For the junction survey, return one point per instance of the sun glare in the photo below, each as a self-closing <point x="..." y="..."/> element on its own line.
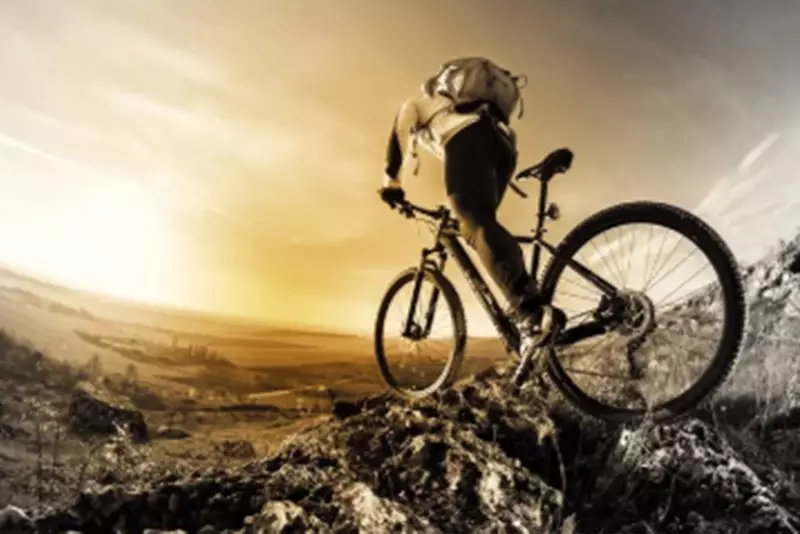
<point x="113" y="238"/>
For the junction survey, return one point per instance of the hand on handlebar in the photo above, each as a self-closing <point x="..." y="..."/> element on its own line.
<point x="393" y="196"/>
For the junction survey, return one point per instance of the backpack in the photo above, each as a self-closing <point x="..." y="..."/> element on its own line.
<point x="471" y="80"/>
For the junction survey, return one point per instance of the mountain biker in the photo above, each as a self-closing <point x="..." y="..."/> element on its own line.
<point x="462" y="117"/>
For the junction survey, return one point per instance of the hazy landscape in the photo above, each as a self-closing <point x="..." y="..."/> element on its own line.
<point x="182" y="350"/>
<point x="258" y="429"/>
<point x="200" y="380"/>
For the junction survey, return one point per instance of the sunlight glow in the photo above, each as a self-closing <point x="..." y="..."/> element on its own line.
<point x="112" y="237"/>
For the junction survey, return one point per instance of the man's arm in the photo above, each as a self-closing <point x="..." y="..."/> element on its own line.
<point x="406" y="120"/>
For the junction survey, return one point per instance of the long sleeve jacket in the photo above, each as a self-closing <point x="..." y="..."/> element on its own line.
<point x="427" y="121"/>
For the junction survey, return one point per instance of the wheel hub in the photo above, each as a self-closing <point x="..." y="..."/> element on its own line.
<point x="631" y="314"/>
<point x="413" y="332"/>
<point x="637" y="317"/>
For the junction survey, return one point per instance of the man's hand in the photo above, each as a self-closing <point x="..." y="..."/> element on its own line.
<point x="392" y="196"/>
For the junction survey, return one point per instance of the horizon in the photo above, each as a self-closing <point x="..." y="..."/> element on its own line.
<point x="172" y="309"/>
<point x="225" y="161"/>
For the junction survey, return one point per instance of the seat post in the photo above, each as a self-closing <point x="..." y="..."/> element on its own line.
<point x="540" y="217"/>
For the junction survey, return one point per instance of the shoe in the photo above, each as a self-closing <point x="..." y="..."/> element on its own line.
<point x="535" y="327"/>
<point x="535" y="330"/>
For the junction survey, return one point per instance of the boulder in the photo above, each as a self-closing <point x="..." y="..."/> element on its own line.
<point x="94" y="410"/>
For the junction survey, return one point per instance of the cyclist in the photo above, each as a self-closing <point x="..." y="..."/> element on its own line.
<point x="462" y="117"/>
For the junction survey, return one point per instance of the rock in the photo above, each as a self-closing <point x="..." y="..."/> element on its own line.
<point x="171" y="432"/>
<point x="14" y="520"/>
<point x="370" y="513"/>
<point x="472" y="459"/>
<point x="285" y="517"/>
<point x="687" y="478"/>
<point x="237" y="448"/>
<point x="94" y="410"/>
<point x="345" y="409"/>
<point x="794" y="265"/>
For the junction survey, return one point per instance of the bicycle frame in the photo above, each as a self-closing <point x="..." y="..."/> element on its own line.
<point x="447" y="243"/>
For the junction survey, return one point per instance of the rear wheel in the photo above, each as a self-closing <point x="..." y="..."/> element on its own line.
<point x="417" y="361"/>
<point x="681" y="306"/>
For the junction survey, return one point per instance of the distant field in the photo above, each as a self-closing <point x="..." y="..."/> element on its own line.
<point x="197" y="351"/>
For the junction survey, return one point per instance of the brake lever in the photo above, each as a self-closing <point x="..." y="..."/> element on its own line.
<point x="517" y="190"/>
<point x="406" y="211"/>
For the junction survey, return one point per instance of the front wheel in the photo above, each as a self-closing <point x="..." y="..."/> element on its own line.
<point x="418" y="357"/>
<point x="680" y="305"/>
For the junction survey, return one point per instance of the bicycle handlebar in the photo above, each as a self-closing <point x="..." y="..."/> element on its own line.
<point x="409" y="208"/>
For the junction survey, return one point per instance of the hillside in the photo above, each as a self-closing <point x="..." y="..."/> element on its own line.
<point x="470" y="460"/>
<point x="475" y="459"/>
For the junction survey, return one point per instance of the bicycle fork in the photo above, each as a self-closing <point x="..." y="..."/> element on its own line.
<point x="412" y="329"/>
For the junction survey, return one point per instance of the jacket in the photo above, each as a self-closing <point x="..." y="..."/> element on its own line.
<point x="430" y="122"/>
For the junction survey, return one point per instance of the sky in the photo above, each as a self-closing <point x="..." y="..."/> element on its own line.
<point x="225" y="156"/>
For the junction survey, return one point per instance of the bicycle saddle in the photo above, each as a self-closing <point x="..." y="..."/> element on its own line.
<point x="557" y="161"/>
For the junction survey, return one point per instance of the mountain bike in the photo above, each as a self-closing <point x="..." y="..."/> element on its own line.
<point x="629" y="319"/>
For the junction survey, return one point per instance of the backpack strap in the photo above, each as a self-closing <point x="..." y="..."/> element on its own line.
<point x="520" y="87"/>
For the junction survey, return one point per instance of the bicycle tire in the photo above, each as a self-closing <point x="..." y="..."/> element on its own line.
<point x="729" y="278"/>
<point x="455" y="359"/>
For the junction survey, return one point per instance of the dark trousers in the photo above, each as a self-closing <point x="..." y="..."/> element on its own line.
<point x="478" y="167"/>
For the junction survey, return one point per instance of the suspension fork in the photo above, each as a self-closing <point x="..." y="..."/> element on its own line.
<point x="412" y="329"/>
<point x="435" y="293"/>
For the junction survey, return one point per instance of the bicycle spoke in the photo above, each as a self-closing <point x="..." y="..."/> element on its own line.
<point x="666" y="260"/>
<point x="655" y="262"/>
<point x="692" y="277"/>
<point x="671" y="270"/>
<point x="579" y="297"/>
<point x="593" y="290"/>
<point x="586" y="262"/>
<point x="620" y="247"/>
<point x="614" y="259"/>
<point x="603" y="259"/>
<point x="630" y="256"/>
<point x="647" y="256"/>
<point x="674" y="303"/>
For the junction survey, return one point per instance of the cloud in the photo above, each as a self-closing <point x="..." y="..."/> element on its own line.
<point x="753" y="207"/>
<point x="757" y="152"/>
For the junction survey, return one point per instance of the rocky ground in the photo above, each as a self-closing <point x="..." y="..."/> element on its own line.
<point x="469" y="460"/>
<point x="472" y="459"/>
<point x="64" y="432"/>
